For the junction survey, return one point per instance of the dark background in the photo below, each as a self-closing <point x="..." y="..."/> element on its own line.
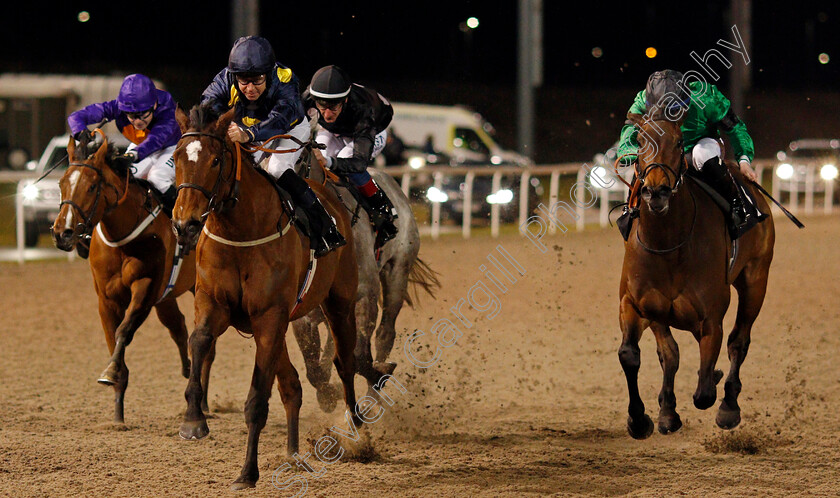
<point x="415" y="51"/>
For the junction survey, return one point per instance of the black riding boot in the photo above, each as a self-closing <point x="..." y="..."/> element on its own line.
<point x="716" y="174"/>
<point x="167" y="200"/>
<point x="325" y="235"/>
<point x="382" y="215"/>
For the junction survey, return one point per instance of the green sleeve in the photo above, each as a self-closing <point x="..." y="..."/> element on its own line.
<point x="627" y="143"/>
<point x="717" y="105"/>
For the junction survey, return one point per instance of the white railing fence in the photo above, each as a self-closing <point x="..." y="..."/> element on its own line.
<point x="809" y="180"/>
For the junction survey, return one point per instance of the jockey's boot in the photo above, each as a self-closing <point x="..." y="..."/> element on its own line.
<point x="325" y="235"/>
<point x="717" y="175"/>
<point x="382" y="215"/>
<point x="167" y="200"/>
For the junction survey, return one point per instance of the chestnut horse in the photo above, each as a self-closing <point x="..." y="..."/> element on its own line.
<point x="677" y="274"/>
<point x="251" y="268"/>
<point x="131" y="255"/>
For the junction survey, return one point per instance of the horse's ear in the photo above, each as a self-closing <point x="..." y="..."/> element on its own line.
<point x="182" y="118"/>
<point x="99" y="157"/>
<point x="636" y="119"/>
<point x="224" y="121"/>
<point x="71" y="149"/>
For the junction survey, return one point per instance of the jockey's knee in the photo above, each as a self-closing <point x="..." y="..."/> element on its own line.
<point x="359" y="179"/>
<point x="277" y="166"/>
<point x="706" y="149"/>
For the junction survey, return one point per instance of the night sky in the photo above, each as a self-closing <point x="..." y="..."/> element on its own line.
<point x="418" y="47"/>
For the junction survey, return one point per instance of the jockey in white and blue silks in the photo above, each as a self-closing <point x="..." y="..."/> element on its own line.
<point x="266" y="99"/>
<point x="146" y="117"/>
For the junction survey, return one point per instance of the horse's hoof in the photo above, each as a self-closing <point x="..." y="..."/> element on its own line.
<point x="327" y="397"/>
<point x="726" y="418"/>
<point x="641" y="430"/>
<point x="185" y="369"/>
<point x="109" y="376"/>
<point x="196" y="429"/>
<point x="704" y="401"/>
<point x="240" y="484"/>
<point x="718" y="375"/>
<point x="384" y="367"/>
<point x="669" y="424"/>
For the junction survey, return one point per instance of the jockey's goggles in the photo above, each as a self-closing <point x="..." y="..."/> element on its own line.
<point x="133" y="116"/>
<point x="244" y="81"/>
<point x="329" y="105"/>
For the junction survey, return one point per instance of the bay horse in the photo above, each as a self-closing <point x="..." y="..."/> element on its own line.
<point x="251" y="270"/>
<point x="677" y="274"/>
<point x="131" y="255"/>
<point x="387" y="276"/>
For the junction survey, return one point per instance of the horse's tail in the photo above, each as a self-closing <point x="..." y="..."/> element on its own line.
<point x="422" y="276"/>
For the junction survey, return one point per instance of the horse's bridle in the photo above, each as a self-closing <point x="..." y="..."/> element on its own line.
<point x="214" y="203"/>
<point x="87" y="226"/>
<point x="678" y="175"/>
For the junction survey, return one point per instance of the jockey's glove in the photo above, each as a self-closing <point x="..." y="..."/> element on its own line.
<point x="130" y="156"/>
<point x="84" y="133"/>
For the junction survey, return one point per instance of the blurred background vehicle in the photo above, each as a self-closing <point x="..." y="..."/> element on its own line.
<point x="807" y="161"/>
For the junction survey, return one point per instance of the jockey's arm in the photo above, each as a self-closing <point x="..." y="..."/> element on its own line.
<point x="729" y="123"/>
<point x="628" y="145"/>
<point x="93" y="113"/>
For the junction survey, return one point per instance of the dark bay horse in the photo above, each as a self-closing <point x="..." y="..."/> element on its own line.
<point x="251" y="268"/>
<point x="676" y="274"/>
<point x="131" y="255"/>
<point x="388" y="276"/>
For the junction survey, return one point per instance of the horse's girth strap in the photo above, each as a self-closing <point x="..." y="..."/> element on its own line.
<point x="247" y="243"/>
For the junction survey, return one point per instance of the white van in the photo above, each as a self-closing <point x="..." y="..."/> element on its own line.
<point x="457" y="131"/>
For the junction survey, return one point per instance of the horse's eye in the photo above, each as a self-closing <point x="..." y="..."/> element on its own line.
<point x="215" y="161"/>
<point x="92" y="187"/>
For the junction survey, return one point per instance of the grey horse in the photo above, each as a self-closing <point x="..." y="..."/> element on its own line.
<point x="397" y="266"/>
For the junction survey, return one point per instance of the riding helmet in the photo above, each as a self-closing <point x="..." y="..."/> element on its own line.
<point x="251" y="55"/>
<point x="662" y="83"/>
<point x="137" y="94"/>
<point x="330" y="83"/>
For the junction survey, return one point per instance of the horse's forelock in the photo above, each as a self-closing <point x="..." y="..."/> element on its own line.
<point x="202" y="116"/>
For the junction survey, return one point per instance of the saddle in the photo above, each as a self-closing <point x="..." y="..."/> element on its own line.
<point x="297" y="215"/>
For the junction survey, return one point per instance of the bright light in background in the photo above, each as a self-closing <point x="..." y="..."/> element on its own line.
<point x="435" y="194"/>
<point x="784" y="171"/>
<point x="824" y="58"/>
<point x="597" y="52"/>
<point x="503" y="196"/>
<point x="416" y="162"/>
<point x="30" y="192"/>
<point x="472" y="22"/>
<point x="84" y="16"/>
<point x="650" y="52"/>
<point x="828" y="172"/>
